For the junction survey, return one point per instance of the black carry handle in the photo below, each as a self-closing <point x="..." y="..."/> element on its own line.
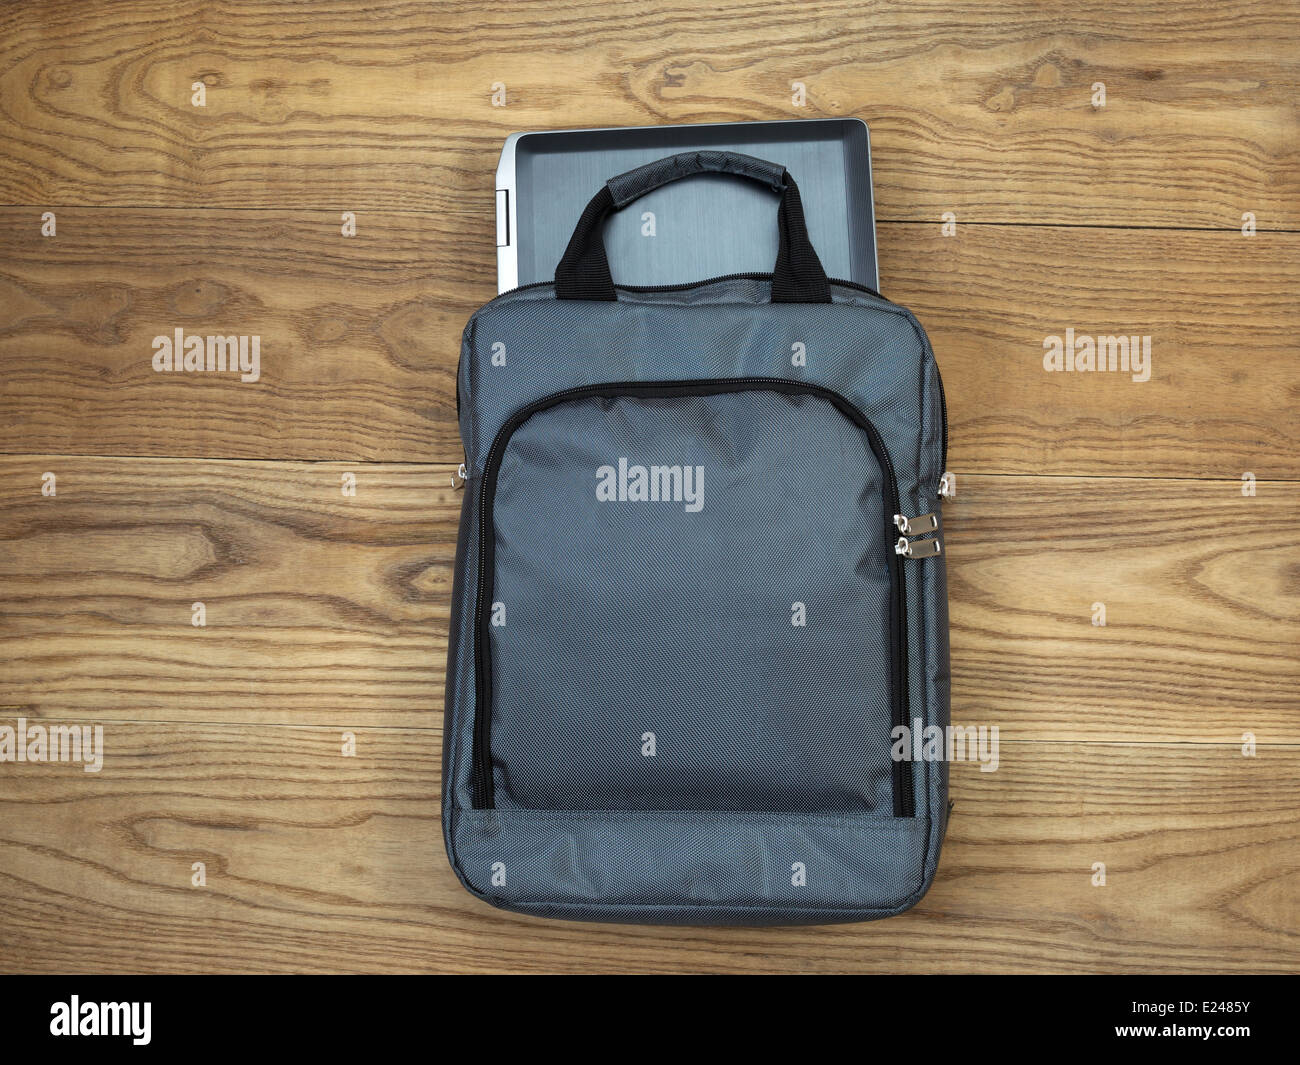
<point x="798" y="277"/>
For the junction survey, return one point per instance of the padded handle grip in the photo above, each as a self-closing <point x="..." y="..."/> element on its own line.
<point x="627" y="187"/>
<point x="798" y="277"/>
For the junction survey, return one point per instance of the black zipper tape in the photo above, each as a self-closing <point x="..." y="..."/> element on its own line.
<point x="750" y="276"/>
<point x="482" y="783"/>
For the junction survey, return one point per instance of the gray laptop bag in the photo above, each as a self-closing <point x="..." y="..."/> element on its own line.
<point x="699" y="620"/>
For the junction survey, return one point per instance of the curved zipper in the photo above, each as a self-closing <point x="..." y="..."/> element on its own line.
<point x="482" y="784"/>
<point x="747" y="276"/>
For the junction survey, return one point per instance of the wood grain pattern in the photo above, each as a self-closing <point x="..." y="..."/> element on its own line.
<point x="319" y="862"/>
<point x="319" y="607"/>
<point x="1224" y="391"/>
<point x="1202" y="610"/>
<point x="983" y="109"/>
<point x="361" y="336"/>
<point x="1120" y="744"/>
<point x="323" y="609"/>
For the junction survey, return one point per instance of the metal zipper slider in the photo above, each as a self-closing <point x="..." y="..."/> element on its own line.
<point x="459" y="478"/>
<point x="917" y="548"/>
<point x="947" y="485"/>
<point x="918" y="526"/>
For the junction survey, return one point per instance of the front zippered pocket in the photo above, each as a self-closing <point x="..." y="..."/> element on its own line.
<point x="781" y="719"/>
<point x="747" y="276"/>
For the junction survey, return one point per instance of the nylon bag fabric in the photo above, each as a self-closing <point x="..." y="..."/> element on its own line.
<point x="682" y="637"/>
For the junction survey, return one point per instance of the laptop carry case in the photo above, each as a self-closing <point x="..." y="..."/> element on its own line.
<point x="699" y="615"/>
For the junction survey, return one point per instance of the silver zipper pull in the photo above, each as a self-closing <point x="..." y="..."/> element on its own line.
<point x="947" y="485"/>
<point x="918" y="526"/>
<point x="459" y="478"/>
<point x="917" y="548"/>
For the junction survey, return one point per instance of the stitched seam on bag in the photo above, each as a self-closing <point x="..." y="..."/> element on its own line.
<point x="902" y="825"/>
<point x="726" y="907"/>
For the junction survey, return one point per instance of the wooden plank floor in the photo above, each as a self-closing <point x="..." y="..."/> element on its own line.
<point x="1173" y="501"/>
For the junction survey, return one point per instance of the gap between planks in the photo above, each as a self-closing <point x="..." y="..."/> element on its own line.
<point x="452" y="464"/>
<point x="418" y="212"/>
<point x="437" y="729"/>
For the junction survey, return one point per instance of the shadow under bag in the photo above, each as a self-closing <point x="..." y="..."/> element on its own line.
<point x="699" y="621"/>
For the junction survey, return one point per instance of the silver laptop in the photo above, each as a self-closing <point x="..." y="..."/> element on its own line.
<point x="692" y="230"/>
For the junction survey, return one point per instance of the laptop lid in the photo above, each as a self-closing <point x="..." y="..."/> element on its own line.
<point x="545" y="179"/>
